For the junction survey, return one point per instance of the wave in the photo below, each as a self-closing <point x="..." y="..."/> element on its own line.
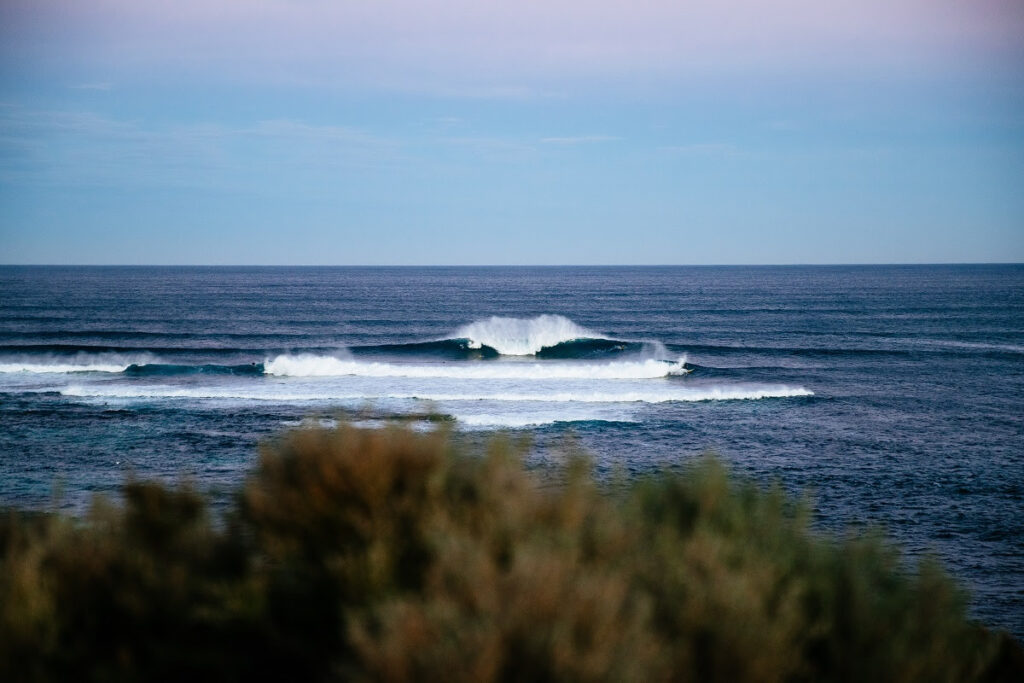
<point x="905" y="349"/>
<point x="523" y="336"/>
<point x="168" y="369"/>
<point x="329" y="366"/>
<point x="468" y="349"/>
<point x="666" y="395"/>
<point x="969" y="345"/>
<point x="447" y="349"/>
<point x="69" y="349"/>
<point x="46" y="368"/>
<point x="591" y="348"/>
<point x="311" y="365"/>
<point x="79" y="363"/>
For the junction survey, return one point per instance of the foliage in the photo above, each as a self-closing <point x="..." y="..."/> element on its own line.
<point x="389" y="555"/>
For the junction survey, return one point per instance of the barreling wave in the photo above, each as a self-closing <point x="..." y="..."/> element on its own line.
<point x="467" y="349"/>
<point x="169" y="369"/>
<point x="665" y="395"/>
<point x="328" y="366"/>
<point x="442" y="349"/>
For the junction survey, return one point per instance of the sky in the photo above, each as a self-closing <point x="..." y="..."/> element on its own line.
<point x="546" y="132"/>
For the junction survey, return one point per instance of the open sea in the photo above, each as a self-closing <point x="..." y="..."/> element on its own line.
<point x="895" y="394"/>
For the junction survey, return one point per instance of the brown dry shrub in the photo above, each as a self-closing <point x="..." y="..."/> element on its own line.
<point x="390" y="555"/>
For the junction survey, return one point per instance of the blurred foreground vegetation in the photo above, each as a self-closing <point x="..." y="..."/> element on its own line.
<point x="389" y="555"/>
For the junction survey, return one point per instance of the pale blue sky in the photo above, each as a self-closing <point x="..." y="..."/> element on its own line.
<point x="391" y="132"/>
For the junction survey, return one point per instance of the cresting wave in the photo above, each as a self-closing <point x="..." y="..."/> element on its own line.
<point x="523" y="336"/>
<point x="667" y="395"/>
<point x="328" y="366"/>
<point x="312" y="365"/>
<point x="466" y="349"/>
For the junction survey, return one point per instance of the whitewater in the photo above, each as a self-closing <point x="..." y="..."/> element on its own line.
<point x="592" y="368"/>
<point x="594" y="378"/>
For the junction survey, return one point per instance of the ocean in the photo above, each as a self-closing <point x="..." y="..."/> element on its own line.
<point x="893" y="395"/>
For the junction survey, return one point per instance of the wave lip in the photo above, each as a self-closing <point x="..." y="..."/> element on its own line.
<point x="305" y="365"/>
<point x="523" y="336"/>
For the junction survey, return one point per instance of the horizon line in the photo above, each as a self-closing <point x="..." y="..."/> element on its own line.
<point x="511" y="265"/>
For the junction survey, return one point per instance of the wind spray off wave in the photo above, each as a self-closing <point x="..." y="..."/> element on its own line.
<point x="523" y="336"/>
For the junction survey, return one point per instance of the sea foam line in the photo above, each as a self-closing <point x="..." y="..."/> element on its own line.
<point x="491" y="421"/>
<point x="694" y="394"/>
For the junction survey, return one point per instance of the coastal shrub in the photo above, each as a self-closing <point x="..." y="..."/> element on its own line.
<point x="390" y="555"/>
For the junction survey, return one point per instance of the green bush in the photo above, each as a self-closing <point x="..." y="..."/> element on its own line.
<point x="389" y="555"/>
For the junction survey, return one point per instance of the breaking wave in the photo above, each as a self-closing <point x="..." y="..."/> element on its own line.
<point x="78" y="363"/>
<point x="328" y="366"/>
<point x="468" y="349"/>
<point x="168" y="369"/>
<point x="523" y="336"/>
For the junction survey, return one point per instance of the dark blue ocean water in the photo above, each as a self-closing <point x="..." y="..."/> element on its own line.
<point x="894" y="394"/>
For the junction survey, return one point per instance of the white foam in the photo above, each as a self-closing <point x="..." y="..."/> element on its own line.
<point x="80" y="363"/>
<point x="328" y="366"/>
<point x="493" y="421"/>
<point x="523" y="336"/>
<point x="720" y="393"/>
<point x="45" y="368"/>
<point x="664" y="395"/>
